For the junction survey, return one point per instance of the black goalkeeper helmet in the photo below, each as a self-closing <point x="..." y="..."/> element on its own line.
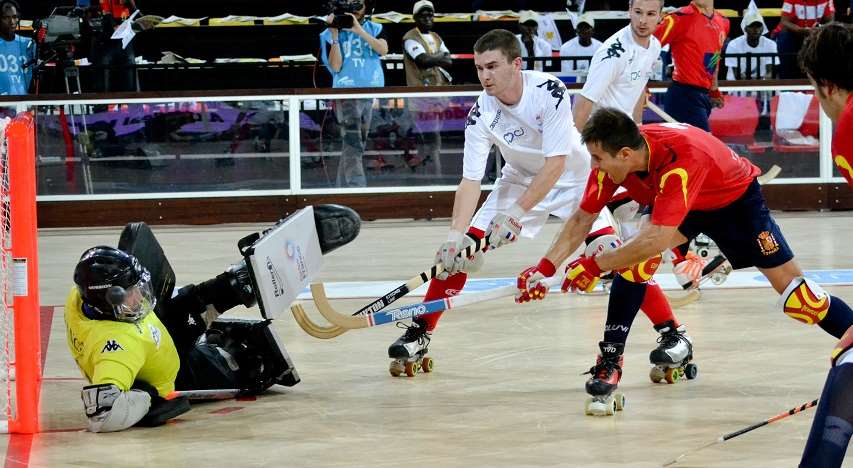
<point x="114" y="284"/>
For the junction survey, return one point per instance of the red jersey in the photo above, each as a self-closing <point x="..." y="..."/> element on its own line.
<point x="695" y="42"/>
<point x="689" y="169"/>
<point x="842" y="142"/>
<point x="807" y="13"/>
<point x="116" y="8"/>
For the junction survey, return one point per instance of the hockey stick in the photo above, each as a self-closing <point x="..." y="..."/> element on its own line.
<point x="218" y="394"/>
<point x="323" y="332"/>
<point x="680" y="301"/>
<point x="383" y="317"/>
<point x="732" y="435"/>
<point x="660" y="112"/>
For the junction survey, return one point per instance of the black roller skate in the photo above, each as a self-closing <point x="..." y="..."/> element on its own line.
<point x="409" y="351"/>
<point x="605" y="378"/>
<point x="671" y="360"/>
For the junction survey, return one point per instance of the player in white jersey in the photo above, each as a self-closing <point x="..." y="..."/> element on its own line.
<point x="527" y="115"/>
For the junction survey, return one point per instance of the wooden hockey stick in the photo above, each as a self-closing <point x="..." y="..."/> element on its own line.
<point x="680" y="301"/>
<point x="660" y="112"/>
<point x="734" y="434"/>
<point x="383" y="317"/>
<point x="327" y="332"/>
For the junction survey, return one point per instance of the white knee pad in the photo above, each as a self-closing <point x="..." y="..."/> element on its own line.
<point x="804" y="300"/>
<point x="601" y="244"/>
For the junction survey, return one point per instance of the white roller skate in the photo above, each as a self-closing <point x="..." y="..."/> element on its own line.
<point x="409" y="351"/>
<point x="604" y="380"/>
<point x="671" y="360"/>
<point x="717" y="267"/>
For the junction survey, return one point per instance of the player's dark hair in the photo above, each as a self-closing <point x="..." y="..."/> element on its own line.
<point x="827" y="55"/>
<point x="613" y="130"/>
<point x="499" y="39"/>
<point x="7" y="3"/>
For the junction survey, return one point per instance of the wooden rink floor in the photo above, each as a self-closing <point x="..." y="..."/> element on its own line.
<point x="506" y="390"/>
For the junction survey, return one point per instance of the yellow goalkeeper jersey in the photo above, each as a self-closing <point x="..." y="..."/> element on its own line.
<point x="110" y="352"/>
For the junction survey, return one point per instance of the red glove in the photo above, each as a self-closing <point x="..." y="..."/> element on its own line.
<point x="530" y="285"/>
<point x="581" y="275"/>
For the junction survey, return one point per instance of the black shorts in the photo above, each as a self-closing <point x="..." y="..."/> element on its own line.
<point x="744" y="231"/>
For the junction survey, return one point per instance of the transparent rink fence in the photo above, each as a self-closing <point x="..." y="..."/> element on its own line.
<point x="314" y="144"/>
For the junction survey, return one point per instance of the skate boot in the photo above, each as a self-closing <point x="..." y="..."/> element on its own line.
<point x="409" y="351"/>
<point x="717" y="267"/>
<point x="605" y="378"/>
<point x="671" y="360"/>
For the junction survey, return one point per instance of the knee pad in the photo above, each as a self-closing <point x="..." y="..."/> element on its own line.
<point x="804" y="300"/>
<point x="643" y="271"/>
<point x="229" y="289"/>
<point x="260" y="356"/>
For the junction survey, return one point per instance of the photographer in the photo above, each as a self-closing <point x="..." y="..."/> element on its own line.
<point x="17" y="54"/>
<point x="117" y="62"/>
<point x="351" y="48"/>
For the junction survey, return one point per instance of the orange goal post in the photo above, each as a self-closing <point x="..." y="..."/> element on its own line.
<point x="20" y="352"/>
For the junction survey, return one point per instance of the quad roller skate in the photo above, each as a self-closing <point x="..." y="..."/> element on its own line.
<point x="409" y="351"/>
<point x="605" y="378"/>
<point x="671" y="359"/>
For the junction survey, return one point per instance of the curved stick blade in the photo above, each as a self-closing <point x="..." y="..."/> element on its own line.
<point x="687" y="299"/>
<point x="318" y="292"/>
<point x="314" y="329"/>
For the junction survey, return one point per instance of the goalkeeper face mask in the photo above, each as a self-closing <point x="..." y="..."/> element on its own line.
<point x="134" y="303"/>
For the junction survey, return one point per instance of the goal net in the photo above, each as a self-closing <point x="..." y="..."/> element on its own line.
<point x="20" y="343"/>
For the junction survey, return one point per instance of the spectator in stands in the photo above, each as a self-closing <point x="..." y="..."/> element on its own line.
<point x="18" y="53"/>
<point x="352" y="55"/>
<point x="582" y="45"/>
<point x="799" y="19"/>
<point x="426" y="61"/>
<point x="696" y="34"/>
<point x="118" y="73"/>
<point x="531" y="44"/>
<point x="752" y="42"/>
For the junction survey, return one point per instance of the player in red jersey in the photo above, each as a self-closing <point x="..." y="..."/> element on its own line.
<point x="827" y="59"/>
<point x="696" y="34"/>
<point x="694" y="184"/>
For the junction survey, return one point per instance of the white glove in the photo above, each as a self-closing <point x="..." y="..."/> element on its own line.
<point x="505" y="227"/>
<point x="449" y="256"/>
<point x="688" y="272"/>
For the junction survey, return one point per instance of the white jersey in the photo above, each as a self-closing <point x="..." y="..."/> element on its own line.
<point x="539" y="126"/>
<point x="573" y="48"/>
<point x="758" y="66"/>
<point x="620" y="70"/>
<point x="541" y="48"/>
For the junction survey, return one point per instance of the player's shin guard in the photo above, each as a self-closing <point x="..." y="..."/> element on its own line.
<point x="623" y="303"/>
<point x="833" y="421"/>
<point x="656" y="306"/>
<point x="805" y="301"/>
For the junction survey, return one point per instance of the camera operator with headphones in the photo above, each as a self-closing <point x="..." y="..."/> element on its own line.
<point x="17" y="54"/>
<point x="351" y="48"/>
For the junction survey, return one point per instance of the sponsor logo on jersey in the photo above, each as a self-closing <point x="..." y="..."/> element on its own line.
<point x="556" y="88"/>
<point x="155" y="334"/>
<point x="275" y="279"/>
<point x="767" y="243"/>
<point x="495" y="120"/>
<point x="473" y="115"/>
<point x="615" y="50"/>
<point x="682" y="174"/>
<point x="510" y="136"/>
<point x="112" y="345"/>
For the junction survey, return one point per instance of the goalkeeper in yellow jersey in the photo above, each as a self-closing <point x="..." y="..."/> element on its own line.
<point x="134" y="358"/>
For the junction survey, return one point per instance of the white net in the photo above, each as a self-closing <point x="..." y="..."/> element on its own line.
<point x="6" y="277"/>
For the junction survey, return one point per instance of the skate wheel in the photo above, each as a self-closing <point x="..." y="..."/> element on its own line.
<point x="656" y="374"/>
<point x="610" y="406"/>
<point x="587" y="407"/>
<point x="672" y="375"/>
<point x="691" y="371"/>
<point x="412" y="368"/>
<point x="426" y="365"/>
<point x="620" y="401"/>
<point x="396" y="368"/>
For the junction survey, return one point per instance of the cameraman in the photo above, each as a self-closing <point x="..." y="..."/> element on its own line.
<point x="351" y="48"/>
<point x="116" y="63"/>
<point x="17" y="54"/>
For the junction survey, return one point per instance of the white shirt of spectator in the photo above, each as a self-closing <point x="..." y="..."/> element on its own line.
<point x="539" y="126"/>
<point x="758" y="66"/>
<point x="541" y="48"/>
<point x="620" y="70"/>
<point x="414" y="48"/>
<point x="573" y="48"/>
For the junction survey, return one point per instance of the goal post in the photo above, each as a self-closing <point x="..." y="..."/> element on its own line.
<point x="21" y="340"/>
